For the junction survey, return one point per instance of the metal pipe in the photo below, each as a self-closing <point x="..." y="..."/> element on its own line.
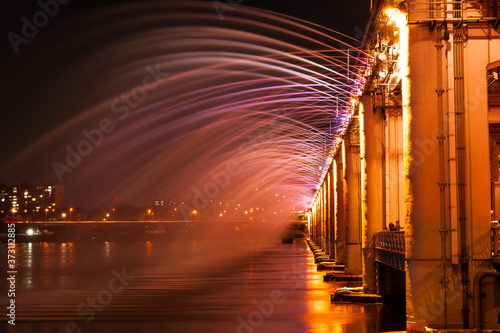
<point x="460" y="136"/>
<point x="443" y="230"/>
<point x="478" y="279"/>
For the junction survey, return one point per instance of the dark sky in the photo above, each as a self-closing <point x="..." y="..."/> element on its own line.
<point x="339" y="15"/>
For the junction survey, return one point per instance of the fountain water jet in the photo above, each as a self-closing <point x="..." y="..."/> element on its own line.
<point x="163" y="97"/>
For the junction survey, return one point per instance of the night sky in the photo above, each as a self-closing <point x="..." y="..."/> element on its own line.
<point x="39" y="62"/>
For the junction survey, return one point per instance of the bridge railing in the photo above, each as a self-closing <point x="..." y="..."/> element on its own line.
<point x="390" y="248"/>
<point x="452" y="10"/>
<point x="495" y="241"/>
<point x="390" y="240"/>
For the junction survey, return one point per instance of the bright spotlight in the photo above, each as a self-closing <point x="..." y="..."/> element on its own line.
<point x="396" y="16"/>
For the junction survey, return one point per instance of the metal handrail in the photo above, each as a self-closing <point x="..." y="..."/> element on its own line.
<point x="390" y="240"/>
<point x="495" y="241"/>
<point x="451" y="10"/>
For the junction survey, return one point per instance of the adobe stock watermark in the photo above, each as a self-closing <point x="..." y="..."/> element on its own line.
<point x="222" y="7"/>
<point x="88" y="308"/>
<point x="122" y="106"/>
<point x="40" y="19"/>
<point x="211" y="190"/>
<point x="220" y="180"/>
<point x="267" y="307"/>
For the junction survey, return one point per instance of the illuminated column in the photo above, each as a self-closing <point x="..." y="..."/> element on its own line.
<point x="437" y="293"/>
<point x="316" y="220"/>
<point x="352" y="201"/>
<point x="478" y="54"/>
<point x="339" y="210"/>
<point x="422" y="195"/>
<point x="394" y="167"/>
<point x="322" y="216"/>
<point x="327" y="214"/>
<point x="324" y="220"/>
<point x="372" y="186"/>
<point x="331" y="204"/>
<point x="312" y="225"/>
<point x="328" y="225"/>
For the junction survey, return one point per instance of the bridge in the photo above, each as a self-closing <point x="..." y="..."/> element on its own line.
<point x="411" y="199"/>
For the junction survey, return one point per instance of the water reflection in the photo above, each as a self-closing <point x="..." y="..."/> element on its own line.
<point x="148" y="248"/>
<point x="323" y="316"/>
<point x="62" y="256"/>
<point x="167" y="296"/>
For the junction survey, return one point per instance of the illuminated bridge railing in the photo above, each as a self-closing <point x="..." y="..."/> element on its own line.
<point x="452" y="10"/>
<point x="390" y="248"/>
<point x="495" y="243"/>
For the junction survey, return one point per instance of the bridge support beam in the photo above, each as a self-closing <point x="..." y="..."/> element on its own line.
<point x="330" y="217"/>
<point x="437" y="290"/>
<point x="394" y="167"/>
<point x="352" y="201"/>
<point x="324" y="220"/>
<point x="422" y="195"/>
<point x="340" y="229"/>
<point x="326" y="215"/>
<point x="372" y="137"/>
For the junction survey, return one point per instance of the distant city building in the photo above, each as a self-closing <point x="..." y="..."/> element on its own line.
<point x="30" y="200"/>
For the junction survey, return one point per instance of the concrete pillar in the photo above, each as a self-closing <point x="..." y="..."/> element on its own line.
<point x="478" y="53"/>
<point x="331" y="203"/>
<point x="328" y="213"/>
<point x="323" y="217"/>
<point x="339" y="210"/>
<point x="352" y="201"/>
<point x="434" y="290"/>
<point x="372" y="136"/>
<point x="316" y="220"/>
<point x="394" y="167"/>
<point x="422" y="198"/>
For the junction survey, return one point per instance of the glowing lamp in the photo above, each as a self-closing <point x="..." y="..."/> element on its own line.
<point x="396" y="16"/>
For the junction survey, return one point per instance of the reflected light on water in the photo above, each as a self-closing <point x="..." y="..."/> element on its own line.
<point x="70" y="256"/>
<point x="323" y="316"/>
<point x="63" y="255"/>
<point x="168" y="296"/>
<point x="108" y="251"/>
<point x="30" y="255"/>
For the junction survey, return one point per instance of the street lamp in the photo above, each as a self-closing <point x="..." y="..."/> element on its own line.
<point x="46" y="211"/>
<point x="64" y="216"/>
<point x="70" y="211"/>
<point x="149" y="214"/>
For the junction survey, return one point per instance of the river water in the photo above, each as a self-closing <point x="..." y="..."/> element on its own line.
<point x="221" y="285"/>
